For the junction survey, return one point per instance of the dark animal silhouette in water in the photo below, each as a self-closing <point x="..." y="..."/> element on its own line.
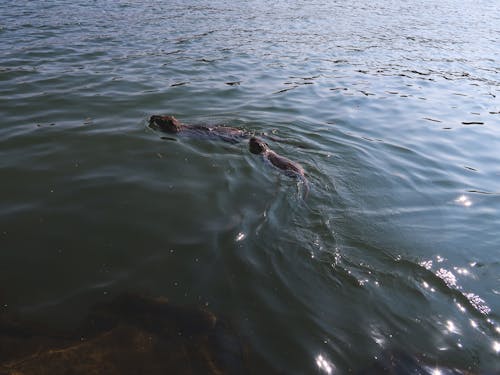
<point x="288" y="167"/>
<point x="169" y="124"/>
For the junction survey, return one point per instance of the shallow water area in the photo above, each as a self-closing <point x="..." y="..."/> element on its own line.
<point x="392" y="109"/>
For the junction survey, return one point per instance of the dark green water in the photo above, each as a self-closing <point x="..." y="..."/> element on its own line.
<point x="397" y="245"/>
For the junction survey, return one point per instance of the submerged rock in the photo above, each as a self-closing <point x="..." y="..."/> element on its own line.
<point x="130" y="335"/>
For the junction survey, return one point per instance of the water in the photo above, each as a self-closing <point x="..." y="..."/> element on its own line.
<point x="396" y="246"/>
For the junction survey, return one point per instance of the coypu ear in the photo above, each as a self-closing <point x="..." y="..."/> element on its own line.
<point x="256" y="146"/>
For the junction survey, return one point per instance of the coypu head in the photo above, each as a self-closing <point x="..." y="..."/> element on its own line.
<point x="257" y="146"/>
<point x="167" y="124"/>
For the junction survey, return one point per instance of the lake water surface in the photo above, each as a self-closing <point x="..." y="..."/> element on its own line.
<point x="392" y="108"/>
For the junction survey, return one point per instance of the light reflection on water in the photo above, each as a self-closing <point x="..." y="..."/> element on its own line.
<point x="496" y="346"/>
<point x="451" y="328"/>
<point x="324" y="364"/>
<point x="450" y="280"/>
<point x="464" y="201"/>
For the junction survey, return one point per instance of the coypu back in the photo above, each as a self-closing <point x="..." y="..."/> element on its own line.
<point x="169" y="124"/>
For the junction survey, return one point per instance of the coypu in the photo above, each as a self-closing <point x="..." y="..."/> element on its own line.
<point x="288" y="167"/>
<point x="169" y="124"/>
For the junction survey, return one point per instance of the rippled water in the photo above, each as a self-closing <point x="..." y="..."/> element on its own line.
<point x="392" y="108"/>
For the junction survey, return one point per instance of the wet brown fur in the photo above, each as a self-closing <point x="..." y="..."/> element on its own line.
<point x="257" y="146"/>
<point x="169" y="124"/>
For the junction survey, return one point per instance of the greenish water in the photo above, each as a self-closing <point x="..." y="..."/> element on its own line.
<point x="393" y="110"/>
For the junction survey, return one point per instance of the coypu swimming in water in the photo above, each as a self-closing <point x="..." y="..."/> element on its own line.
<point x="288" y="167"/>
<point x="169" y="124"/>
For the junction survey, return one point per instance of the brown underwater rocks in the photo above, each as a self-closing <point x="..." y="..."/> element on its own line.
<point x="130" y="335"/>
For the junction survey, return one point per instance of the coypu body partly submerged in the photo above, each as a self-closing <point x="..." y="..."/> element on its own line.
<point x="169" y="124"/>
<point x="288" y="167"/>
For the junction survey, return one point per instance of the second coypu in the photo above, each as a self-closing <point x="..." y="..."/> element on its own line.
<point x="288" y="167"/>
